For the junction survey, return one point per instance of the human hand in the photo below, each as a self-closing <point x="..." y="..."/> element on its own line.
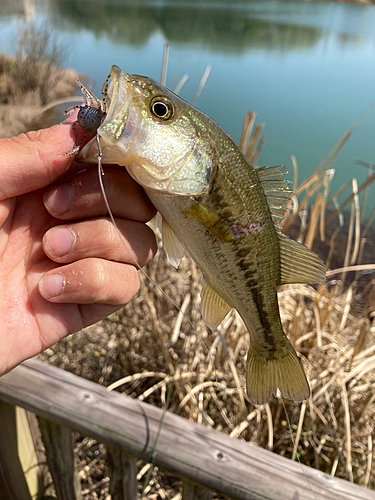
<point x="62" y="264"/>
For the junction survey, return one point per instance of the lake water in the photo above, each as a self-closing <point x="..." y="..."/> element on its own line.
<point x="306" y="69"/>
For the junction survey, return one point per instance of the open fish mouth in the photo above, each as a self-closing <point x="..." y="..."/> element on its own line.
<point x="121" y="125"/>
<point x="145" y="131"/>
<point x="123" y="119"/>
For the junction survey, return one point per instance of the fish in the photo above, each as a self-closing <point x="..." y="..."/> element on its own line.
<point x="221" y="210"/>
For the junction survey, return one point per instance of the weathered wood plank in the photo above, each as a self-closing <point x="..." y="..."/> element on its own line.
<point x="12" y="480"/>
<point x="57" y="440"/>
<point x="123" y="475"/>
<point x="204" y="456"/>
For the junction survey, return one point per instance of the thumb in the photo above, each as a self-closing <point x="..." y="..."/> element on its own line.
<point x="33" y="160"/>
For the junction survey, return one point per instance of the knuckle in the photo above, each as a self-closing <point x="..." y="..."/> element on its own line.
<point x="132" y="280"/>
<point x="112" y="282"/>
<point x="97" y="270"/>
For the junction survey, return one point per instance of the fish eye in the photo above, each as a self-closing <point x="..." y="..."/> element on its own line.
<point x="162" y="108"/>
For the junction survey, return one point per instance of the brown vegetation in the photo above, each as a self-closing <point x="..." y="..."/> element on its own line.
<point x="30" y="80"/>
<point x="151" y="351"/>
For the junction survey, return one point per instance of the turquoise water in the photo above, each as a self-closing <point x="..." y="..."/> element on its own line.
<point x="306" y="69"/>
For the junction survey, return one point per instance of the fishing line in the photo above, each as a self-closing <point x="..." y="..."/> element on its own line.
<point x="176" y="306"/>
<point x="165" y="409"/>
<point x="127" y="248"/>
<point x="293" y="442"/>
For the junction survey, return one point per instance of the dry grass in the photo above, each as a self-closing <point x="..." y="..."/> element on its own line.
<point x="149" y="345"/>
<point x="30" y="80"/>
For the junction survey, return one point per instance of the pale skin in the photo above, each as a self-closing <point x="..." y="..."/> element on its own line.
<point x="62" y="265"/>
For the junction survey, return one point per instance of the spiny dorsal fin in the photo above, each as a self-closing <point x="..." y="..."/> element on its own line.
<point x="274" y="173"/>
<point x="299" y="264"/>
<point x="171" y="244"/>
<point x="276" y="190"/>
<point x="213" y="307"/>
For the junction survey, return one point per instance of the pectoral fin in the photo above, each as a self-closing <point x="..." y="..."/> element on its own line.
<point x="299" y="264"/>
<point x="171" y="244"/>
<point x="213" y="307"/>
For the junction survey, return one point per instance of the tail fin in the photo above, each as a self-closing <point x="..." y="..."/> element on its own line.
<point x="264" y="375"/>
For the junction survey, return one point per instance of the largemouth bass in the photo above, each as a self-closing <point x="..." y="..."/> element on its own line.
<point x="224" y="212"/>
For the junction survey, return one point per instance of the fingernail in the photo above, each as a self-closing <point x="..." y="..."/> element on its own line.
<point x="51" y="285"/>
<point x="58" y="241"/>
<point x="59" y="199"/>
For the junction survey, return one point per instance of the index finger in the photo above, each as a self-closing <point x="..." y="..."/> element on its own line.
<point x="33" y="160"/>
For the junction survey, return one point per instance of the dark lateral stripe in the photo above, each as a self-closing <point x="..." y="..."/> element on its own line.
<point x="255" y="290"/>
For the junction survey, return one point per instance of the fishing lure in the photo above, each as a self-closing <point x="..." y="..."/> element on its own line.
<point x="91" y="114"/>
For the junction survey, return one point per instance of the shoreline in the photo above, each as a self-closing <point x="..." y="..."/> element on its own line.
<point x="354" y="2"/>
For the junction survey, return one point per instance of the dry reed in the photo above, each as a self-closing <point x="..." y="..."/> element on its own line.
<point x="149" y="345"/>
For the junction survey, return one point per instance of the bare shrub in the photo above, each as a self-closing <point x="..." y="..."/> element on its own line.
<point x="31" y="79"/>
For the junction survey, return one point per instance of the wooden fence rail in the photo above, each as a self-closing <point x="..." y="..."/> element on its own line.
<point x="205" y="460"/>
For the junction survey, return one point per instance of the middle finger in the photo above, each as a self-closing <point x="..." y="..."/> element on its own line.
<point x="80" y="196"/>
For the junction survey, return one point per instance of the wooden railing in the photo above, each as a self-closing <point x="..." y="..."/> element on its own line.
<point x="205" y="460"/>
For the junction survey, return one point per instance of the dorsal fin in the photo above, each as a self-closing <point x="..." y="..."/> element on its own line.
<point x="298" y="263"/>
<point x="276" y="190"/>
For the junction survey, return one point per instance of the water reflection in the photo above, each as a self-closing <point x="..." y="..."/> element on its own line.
<point x="231" y="30"/>
<point x="226" y="27"/>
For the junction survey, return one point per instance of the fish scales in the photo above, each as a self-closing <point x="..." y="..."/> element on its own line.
<point x="219" y="209"/>
<point x="225" y="264"/>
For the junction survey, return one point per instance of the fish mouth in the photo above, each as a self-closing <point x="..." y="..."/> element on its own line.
<point x="120" y="127"/>
<point x="123" y="120"/>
